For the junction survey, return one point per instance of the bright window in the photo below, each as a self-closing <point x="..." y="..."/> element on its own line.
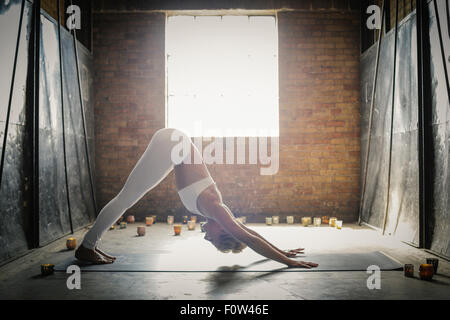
<point x="222" y="75"/>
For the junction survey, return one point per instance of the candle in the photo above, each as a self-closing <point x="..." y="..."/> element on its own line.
<point x="191" y="225"/>
<point x="269" y="221"/>
<point x="306" y="221"/>
<point x="338" y="224"/>
<point x="170" y="219"/>
<point x="244" y="219"/>
<point x="317" y="222"/>
<point x="332" y="222"/>
<point x="112" y="227"/>
<point x="290" y="219"/>
<point x="71" y="243"/>
<point x="426" y="271"/>
<point x="409" y="270"/>
<point x="177" y="229"/>
<point x="434" y="262"/>
<point x="141" y="231"/>
<point x="194" y="218"/>
<point x="47" y="269"/>
<point x="325" y="219"/>
<point x="130" y="219"/>
<point x="123" y="225"/>
<point x="185" y="219"/>
<point x="148" y="221"/>
<point x="154" y="218"/>
<point x="275" y="219"/>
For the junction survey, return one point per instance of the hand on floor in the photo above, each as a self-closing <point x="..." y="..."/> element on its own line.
<point x="302" y="264"/>
<point x="294" y="252"/>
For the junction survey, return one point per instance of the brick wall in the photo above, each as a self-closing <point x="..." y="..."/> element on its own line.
<point x="319" y="116"/>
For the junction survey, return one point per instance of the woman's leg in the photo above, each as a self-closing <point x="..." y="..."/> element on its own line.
<point x="154" y="165"/>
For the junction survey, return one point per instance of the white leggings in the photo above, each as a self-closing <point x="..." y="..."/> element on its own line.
<point x="154" y="165"/>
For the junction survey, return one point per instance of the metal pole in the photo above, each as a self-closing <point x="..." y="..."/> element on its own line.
<point x="448" y="16"/>
<point x="421" y="122"/>
<point x="11" y="91"/>
<point x="372" y="103"/>
<point x="392" y="119"/>
<point x="61" y="78"/>
<point x="444" y="61"/>
<point x="84" y="119"/>
<point x="36" y="42"/>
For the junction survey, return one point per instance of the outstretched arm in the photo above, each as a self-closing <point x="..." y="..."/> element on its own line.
<point x="289" y="253"/>
<point x="222" y="215"/>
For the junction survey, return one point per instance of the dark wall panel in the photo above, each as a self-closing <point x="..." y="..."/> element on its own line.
<point x="14" y="217"/>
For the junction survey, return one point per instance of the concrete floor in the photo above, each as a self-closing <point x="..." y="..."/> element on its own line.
<point x="21" y="278"/>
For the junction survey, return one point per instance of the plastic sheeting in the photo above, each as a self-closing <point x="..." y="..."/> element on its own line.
<point x="438" y="226"/>
<point x="14" y="216"/>
<point x="403" y="212"/>
<point x="81" y="201"/>
<point x="54" y="211"/>
<point x="15" y="213"/>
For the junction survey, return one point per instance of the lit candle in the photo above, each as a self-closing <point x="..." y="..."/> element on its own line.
<point x="339" y="224"/>
<point x="325" y="219"/>
<point x="185" y="219"/>
<point x="112" y="227"/>
<point x="409" y="270"/>
<point x="177" y="229"/>
<point x="141" y="231"/>
<point x="275" y="219"/>
<point x="191" y="225"/>
<point x="47" y="269"/>
<point x="317" y="222"/>
<point x="154" y="218"/>
<point x="170" y="219"/>
<point x="306" y="221"/>
<point x="148" y="221"/>
<point x="71" y="243"/>
<point x="290" y="219"/>
<point x="269" y="221"/>
<point x="426" y="271"/>
<point x="332" y="222"/>
<point x="194" y="218"/>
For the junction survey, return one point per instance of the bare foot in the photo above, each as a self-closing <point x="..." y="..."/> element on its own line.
<point x="89" y="255"/>
<point x="108" y="256"/>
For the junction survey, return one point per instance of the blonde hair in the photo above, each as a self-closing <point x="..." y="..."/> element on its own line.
<point x="227" y="243"/>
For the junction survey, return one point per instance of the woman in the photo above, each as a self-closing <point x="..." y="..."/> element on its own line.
<point x="197" y="191"/>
